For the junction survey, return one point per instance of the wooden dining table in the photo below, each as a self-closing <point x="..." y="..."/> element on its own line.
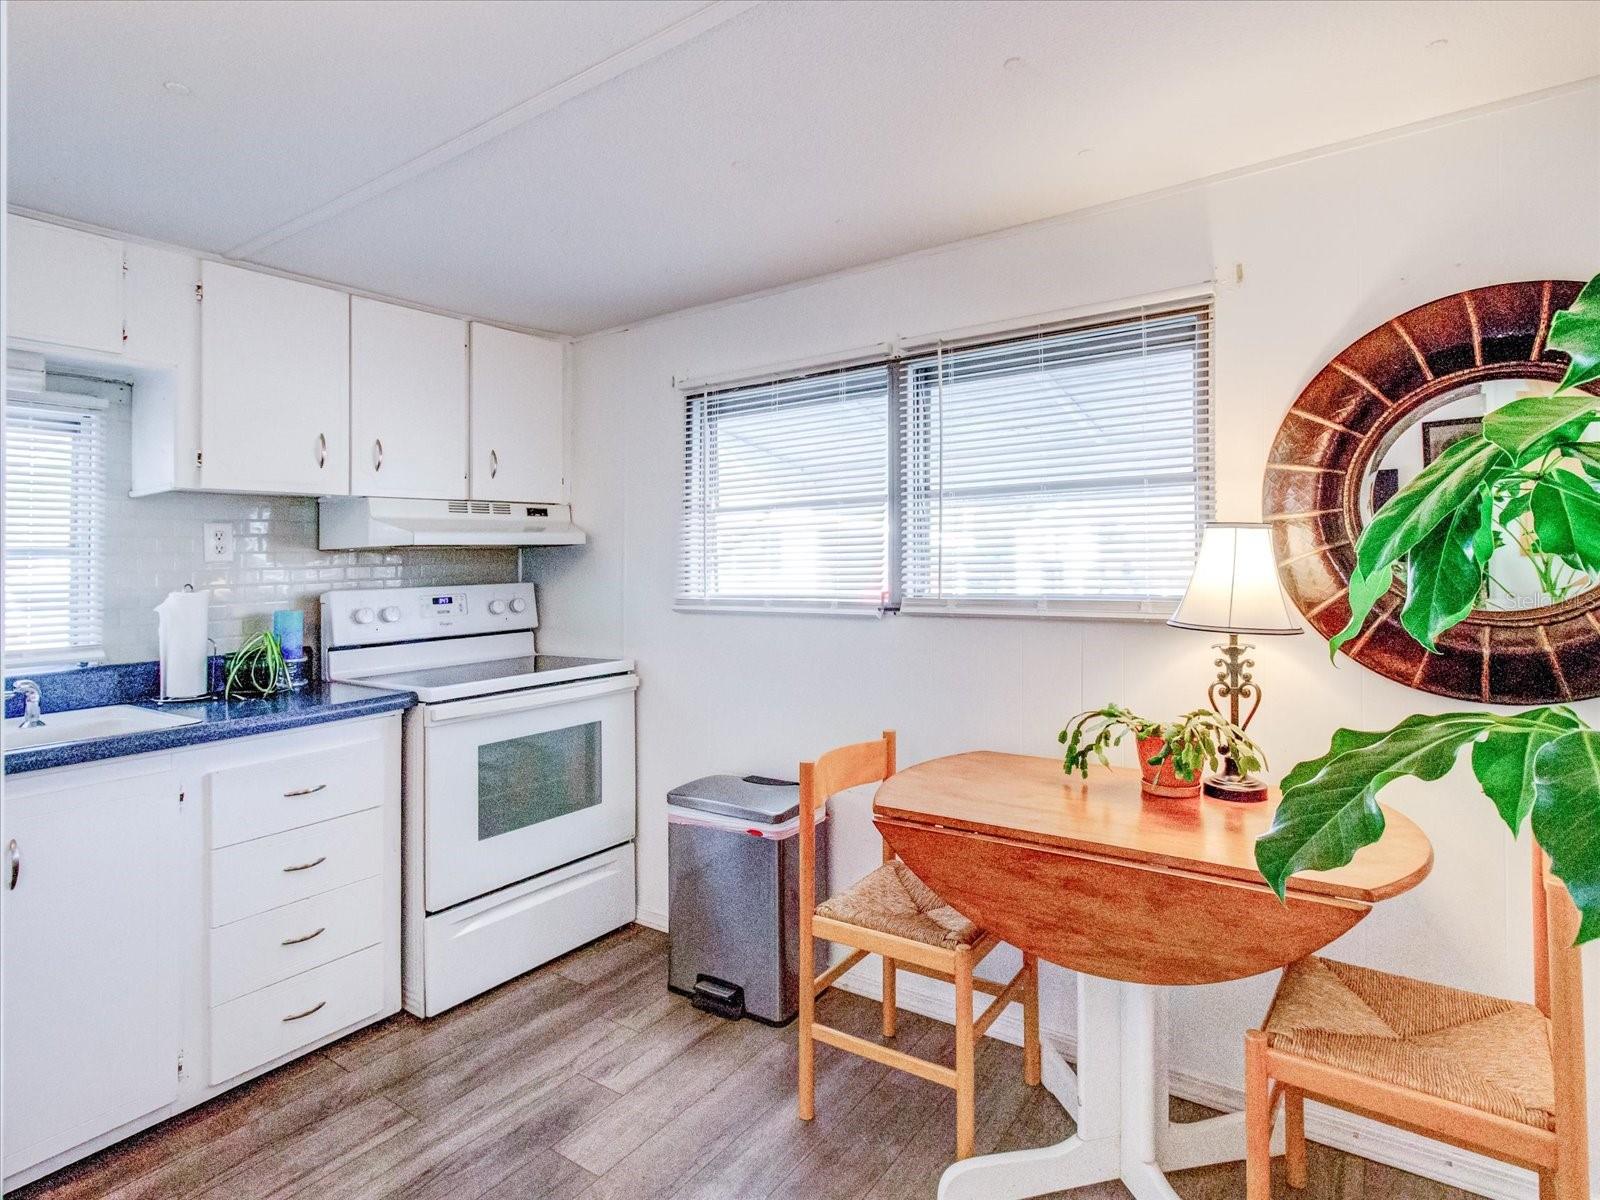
<point x="1135" y="895"/>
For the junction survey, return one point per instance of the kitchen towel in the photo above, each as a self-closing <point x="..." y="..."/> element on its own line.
<point x="184" y="618"/>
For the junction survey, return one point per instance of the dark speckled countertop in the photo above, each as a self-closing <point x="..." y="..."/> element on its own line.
<point x="314" y="704"/>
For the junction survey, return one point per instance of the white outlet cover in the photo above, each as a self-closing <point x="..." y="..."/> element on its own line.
<point x="219" y="543"/>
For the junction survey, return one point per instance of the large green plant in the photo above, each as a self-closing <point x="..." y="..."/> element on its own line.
<point x="1530" y="479"/>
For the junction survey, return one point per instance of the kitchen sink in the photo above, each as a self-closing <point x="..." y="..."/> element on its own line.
<point x="86" y="724"/>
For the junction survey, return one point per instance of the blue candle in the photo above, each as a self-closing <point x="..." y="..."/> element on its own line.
<point x="289" y="627"/>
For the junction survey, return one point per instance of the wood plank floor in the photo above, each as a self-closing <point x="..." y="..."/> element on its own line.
<point x="588" y="1079"/>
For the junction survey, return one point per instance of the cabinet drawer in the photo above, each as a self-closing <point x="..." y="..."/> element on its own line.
<point x="274" y="945"/>
<point x="269" y="872"/>
<point x="257" y="799"/>
<point x="269" y="1023"/>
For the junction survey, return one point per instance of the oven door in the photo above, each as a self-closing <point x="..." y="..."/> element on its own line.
<point x="520" y="783"/>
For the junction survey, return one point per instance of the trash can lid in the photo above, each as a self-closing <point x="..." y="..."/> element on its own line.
<point x="753" y="798"/>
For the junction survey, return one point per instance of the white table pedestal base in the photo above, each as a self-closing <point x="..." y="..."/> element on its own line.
<point x="1118" y="1098"/>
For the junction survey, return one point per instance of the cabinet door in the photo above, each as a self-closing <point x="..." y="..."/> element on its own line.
<point x="274" y="385"/>
<point x="517" y="416"/>
<point x="89" y="942"/>
<point x="408" y="402"/>
<point x="163" y="330"/>
<point x="63" y="286"/>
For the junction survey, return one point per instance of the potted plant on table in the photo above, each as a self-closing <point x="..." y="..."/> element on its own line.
<point x="1171" y="756"/>
<point x="1531" y="479"/>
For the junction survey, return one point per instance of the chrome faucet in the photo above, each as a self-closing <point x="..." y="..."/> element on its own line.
<point x="29" y="691"/>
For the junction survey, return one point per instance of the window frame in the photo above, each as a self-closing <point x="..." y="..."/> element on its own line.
<point x="921" y="400"/>
<point x="86" y="550"/>
<point x="700" y="450"/>
<point x="896" y="362"/>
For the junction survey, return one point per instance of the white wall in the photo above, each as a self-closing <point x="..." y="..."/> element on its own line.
<point x="1330" y="246"/>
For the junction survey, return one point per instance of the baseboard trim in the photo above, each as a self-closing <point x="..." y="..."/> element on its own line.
<point x="1330" y="1127"/>
<point x="651" y="919"/>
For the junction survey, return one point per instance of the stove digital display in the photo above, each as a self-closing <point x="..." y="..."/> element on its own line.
<point x="443" y="605"/>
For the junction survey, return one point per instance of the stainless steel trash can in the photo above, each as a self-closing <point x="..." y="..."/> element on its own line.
<point x="734" y="894"/>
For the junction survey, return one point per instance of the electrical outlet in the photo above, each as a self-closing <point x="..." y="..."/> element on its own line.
<point x="219" y="543"/>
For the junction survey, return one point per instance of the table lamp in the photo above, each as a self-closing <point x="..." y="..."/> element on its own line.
<point x="1234" y="590"/>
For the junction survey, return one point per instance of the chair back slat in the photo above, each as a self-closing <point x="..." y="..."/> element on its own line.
<point x="836" y="771"/>
<point x="1562" y="967"/>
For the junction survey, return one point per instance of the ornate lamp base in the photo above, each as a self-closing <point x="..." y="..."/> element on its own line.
<point x="1234" y="683"/>
<point x="1246" y="790"/>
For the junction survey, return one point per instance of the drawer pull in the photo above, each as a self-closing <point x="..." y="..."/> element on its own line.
<point x="310" y="791"/>
<point x="300" y="1016"/>
<point x="316" y="862"/>
<point x="305" y="937"/>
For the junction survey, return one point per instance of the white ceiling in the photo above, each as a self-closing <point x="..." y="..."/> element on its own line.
<point x="649" y="155"/>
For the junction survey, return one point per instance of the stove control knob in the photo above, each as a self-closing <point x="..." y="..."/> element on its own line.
<point x="497" y="607"/>
<point x="389" y="615"/>
<point x="362" y="616"/>
<point x="519" y="605"/>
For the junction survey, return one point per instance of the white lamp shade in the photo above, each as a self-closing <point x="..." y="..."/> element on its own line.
<point x="1234" y="588"/>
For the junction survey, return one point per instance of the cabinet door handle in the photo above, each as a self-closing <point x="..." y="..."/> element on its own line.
<point x="14" y="857"/>
<point x="322" y="450"/>
<point x="310" y="791"/>
<point x="305" y="937"/>
<point x="307" y="866"/>
<point x="300" y="1016"/>
<point x="494" y="464"/>
<point x="377" y="454"/>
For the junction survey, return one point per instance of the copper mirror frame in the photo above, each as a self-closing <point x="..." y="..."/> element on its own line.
<point x="1312" y="496"/>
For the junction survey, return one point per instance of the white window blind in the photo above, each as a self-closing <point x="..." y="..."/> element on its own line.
<point x="786" y="500"/>
<point x="1069" y="470"/>
<point x="55" y="494"/>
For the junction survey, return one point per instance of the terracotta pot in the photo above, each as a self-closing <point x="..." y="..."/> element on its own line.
<point x="1163" y="782"/>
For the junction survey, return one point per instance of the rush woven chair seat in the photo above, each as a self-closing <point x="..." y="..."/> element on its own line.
<point x="894" y="901"/>
<point x="1486" y="1053"/>
<point x="892" y="913"/>
<point x="1480" y="1072"/>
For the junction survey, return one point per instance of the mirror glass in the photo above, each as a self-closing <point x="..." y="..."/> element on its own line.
<point x="1520" y="578"/>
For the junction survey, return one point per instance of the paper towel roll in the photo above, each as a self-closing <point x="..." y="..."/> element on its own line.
<point x="183" y="618"/>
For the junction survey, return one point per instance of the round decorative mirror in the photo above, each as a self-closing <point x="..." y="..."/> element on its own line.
<point x="1366" y="424"/>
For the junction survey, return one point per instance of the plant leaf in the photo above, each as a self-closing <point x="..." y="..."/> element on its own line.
<point x="1365" y="591"/>
<point x="1329" y="808"/>
<point x="1566" y="518"/>
<point x="1566" y="818"/>
<point x="1444" y="572"/>
<point x="1438" y="490"/>
<point x="1514" y="508"/>
<point x="1521" y="425"/>
<point x="1504" y="760"/>
<point x="1588" y="456"/>
<point x="1575" y="331"/>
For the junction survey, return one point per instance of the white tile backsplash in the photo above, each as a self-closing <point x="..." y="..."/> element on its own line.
<point x="155" y="545"/>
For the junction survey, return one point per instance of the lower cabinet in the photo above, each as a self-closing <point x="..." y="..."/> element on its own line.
<point x="91" y="1037"/>
<point x="175" y="924"/>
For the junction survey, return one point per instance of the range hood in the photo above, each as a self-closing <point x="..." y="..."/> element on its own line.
<point x="373" y="522"/>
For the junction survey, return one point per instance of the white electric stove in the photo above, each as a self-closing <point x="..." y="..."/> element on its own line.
<point x="519" y="795"/>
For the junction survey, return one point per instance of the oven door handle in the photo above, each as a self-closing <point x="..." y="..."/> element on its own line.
<point x="526" y="701"/>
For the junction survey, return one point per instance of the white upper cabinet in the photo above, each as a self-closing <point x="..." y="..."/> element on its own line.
<point x="408" y="402"/>
<point x="63" y="286"/>
<point x="518" y="415"/>
<point x="274" y="385"/>
<point x="90" y="929"/>
<point x="163" y="361"/>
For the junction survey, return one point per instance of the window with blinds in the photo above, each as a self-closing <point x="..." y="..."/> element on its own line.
<point x="787" y="494"/>
<point x="1068" y="470"/>
<point x="55" y="496"/>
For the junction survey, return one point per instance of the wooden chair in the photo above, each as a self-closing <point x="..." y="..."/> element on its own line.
<point x="891" y="913"/>
<point x="1502" y="1078"/>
